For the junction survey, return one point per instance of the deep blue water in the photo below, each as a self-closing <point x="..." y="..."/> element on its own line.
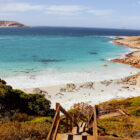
<point x="31" y="51"/>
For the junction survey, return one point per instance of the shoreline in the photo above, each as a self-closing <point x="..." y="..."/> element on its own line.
<point x="100" y="91"/>
<point x="93" y="92"/>
<point x="88" y="91"/>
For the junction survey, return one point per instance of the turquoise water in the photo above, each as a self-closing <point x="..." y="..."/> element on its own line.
<point x="32" y="54"/>
<point x="46" y="51"/>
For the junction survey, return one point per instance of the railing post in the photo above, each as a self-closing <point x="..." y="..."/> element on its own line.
<point x="57" y="124"/>
<point x="88" y="121"/>
<point x="95" y="129"/>
<point x="72" y="122"/>
<point x="54" y="121"/>
<point x="57" y="105"/>
<point x="66" y="128"/>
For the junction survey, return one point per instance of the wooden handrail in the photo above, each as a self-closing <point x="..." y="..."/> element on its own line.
<point x="56" y="122"/>
<point x="66" y="114"/>
<point x="95" y="129"/>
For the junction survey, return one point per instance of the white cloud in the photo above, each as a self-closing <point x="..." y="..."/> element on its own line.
<point x="65" y="9"/>
<point x="100" y="12"/>
<point x="20" y="7"/>
<point x="74" y="10"/>
<point x="138" y="2"/>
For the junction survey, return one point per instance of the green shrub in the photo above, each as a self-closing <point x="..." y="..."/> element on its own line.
<point x="40" y="120"/>
<point x="21" y="117"/>
<point x="78" y="115"/>
<point x="135" y="111"/>
<point x="31" y="104"/>
<point x="126" y="124"/>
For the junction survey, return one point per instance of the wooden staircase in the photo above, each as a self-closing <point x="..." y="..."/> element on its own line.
<point x="73" y="137"/>
<point x="77" y="133"/>
<point x="74" y="130"/>
<point x="77" y="130"/>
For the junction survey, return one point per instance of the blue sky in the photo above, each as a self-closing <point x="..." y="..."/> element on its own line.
<point x="78" y="13"/>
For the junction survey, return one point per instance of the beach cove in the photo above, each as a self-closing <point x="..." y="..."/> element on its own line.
<point x="97" y="92"/>
<point x="68" y="65"/>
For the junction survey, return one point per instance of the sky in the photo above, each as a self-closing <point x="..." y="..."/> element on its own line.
<point x="124" y="14"/>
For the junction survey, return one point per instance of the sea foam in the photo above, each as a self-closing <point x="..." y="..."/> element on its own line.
<point x="57" y="78"/>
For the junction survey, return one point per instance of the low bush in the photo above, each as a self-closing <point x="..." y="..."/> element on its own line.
<point x="127" y="126"/>
<point x="78" y="115"/>
<point x="131" y="105"/>
<point x="40" y="120"/>
<point x="22" y="131"/>
<point x="135" y="111"/>
<point x="21" y="117"/>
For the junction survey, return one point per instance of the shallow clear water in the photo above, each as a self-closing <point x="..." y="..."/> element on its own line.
<point x="59" y="55"/>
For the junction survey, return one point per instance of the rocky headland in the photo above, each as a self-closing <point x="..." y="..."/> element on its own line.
<point x="128" y="41"/>
<point x="11" y="24"/>
<point x="133" y="58"/>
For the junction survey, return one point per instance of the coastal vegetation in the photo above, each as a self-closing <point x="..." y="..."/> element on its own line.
<point x="23" y="115"/>
<point x="129" y="125"/>
<point x="16" y="100"/>
<point x="28" y="116"/>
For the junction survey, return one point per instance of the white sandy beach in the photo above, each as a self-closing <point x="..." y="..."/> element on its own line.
<point x="85" y="92"/>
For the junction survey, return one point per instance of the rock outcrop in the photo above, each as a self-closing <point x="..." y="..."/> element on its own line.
<point x="132" y="59"/>
<point x="87" y="85"/>
<point x="39" y="91"/>
<point x="70" y="87"/>
<point x="11" y="24"/>
<point x="133" y="80"/>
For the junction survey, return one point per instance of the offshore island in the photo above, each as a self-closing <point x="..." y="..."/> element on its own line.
<point x="4" y="23"/>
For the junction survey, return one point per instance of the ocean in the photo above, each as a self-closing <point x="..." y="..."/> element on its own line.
<point x="41" y="56"/>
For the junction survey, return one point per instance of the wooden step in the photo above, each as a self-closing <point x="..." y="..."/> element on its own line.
<point x="75" y="130"/>
<point x="61" y="137"/>
<point x="73" y="137"/>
